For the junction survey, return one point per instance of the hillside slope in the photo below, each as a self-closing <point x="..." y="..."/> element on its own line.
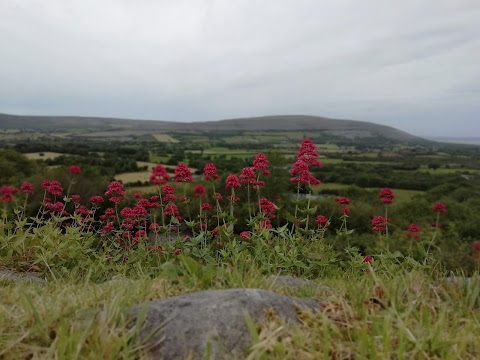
<point x="342" y="128"/>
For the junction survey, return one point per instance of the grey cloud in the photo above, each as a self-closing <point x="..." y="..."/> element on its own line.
<point x="410" y="64"/>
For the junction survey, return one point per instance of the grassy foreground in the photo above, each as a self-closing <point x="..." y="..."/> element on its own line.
<point x="107" y="253"/>
<point x="368" y="315"/>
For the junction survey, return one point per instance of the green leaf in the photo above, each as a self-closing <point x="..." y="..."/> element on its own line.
<point x="190" y="223"/>
<point x="190" y="264"/>
<point x="169" y="270"/>
<point x="282" y="229"/>
<point x="252" y="329"/>
<point x="290" y="217"/>
<point x="311" y="211"/>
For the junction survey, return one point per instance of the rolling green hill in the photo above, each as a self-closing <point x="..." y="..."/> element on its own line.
<point x="113" y="127"/>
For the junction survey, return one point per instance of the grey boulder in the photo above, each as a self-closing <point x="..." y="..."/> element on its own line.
<point x="18" y="277"/>
<point x="188" y="325"/>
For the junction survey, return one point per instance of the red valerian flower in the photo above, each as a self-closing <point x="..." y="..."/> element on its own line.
<point x="171" y="209"/>
<point x="308" y="153"/>
<point x="82" y="210"/>
<point x="75" y="169"/>
<point x="139" y="235"/>
<point x="379" y="223"/>
<point x="414" y="228"/>
<point x="301" y="174"/>
<point x="168" y="191"/>
<point x="136" y="212"/>
<point x="265" y="224"/>
<point x="27" y="188"/>
<point x="159" y="175"/>
<point x="343" y="200"/>
<point x="107" y="228"/>
<point x="7" y="193"/>
<point x="110" y="213"/>
<point x="115" y="192"/>
<point x="386" y="195"/>
<point x="258" y="184"/>
<point x="345" y="211"/>
<point x="232" y="181"/>
<point x="115" y="188"/>
<point x="368" y="259"/>
<point x="147" y="204"/>
<point x="183" y="174"/>
<point x="169" y="197"/>
<point x="154" y="227"/>
<point x="52" y="187"/>
<point x="206" y="207"/>
<point x="210" y="172"/>
<point x="116" y="199"/>
<point x="245" y="235"/>
<point x="260" y="163"/>
<point x="322" y="221"/>
<point x="75" y="199"/>
<point x="56" y="207"/>
<point x="126" y="212"/>
<point x="157" y="249"/>
<point x="414" y="231"/>
<point x="267" y="208"/>
<point x="96" y="200"/>
<point x="439" y="207"/>
<point x="199" y="191"/>
<point x="137" y="196"/>
<point x="218" y="196"/>
<point x="247" y="176"/>
<point x="475" y="247"/>
<point x="139" y="211"/>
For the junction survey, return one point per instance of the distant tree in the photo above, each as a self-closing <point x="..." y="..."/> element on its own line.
<point x="433" y="166"/>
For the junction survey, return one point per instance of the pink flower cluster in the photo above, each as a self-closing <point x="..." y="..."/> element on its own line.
<point x="379" y="223"/>
<point x="183" y="174"/>
<point x="386" y="195"/>
<point x="7" y="193"/>
<point x="115" y="192"/>
<point x="52" y="187"/>
<point x="267" y="208"/>
<point x="307" y="156"/>
<point x="159" y="175"/>
<point x="210" y="172"/>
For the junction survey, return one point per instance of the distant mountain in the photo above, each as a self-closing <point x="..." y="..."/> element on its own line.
<point x="96" y="126"/>
<point x="472" y="140"/>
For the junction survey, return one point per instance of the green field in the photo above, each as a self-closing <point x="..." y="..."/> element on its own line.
<point x="400" y="194"/>
<point x="159" y="159"/>
<point x="229" y="153"/>
<point x="443" y="171"/>
<point x="166" y="138"/>
<point x="133" y="177"/>
<point x="43" y="155"/>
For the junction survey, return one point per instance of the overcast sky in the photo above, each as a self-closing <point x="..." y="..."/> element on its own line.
<point x="412" y="64"/>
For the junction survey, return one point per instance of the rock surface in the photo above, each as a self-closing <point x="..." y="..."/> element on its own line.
<point x="186" y="324"/>
<point x="13" y="276"/>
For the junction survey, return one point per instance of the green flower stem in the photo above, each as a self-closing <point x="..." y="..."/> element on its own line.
<point x="308" y="208"/>
<point x="386" y="220"/>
